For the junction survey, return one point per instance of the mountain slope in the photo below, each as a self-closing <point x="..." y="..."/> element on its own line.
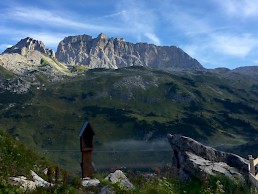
<point x="102" y="52"/>
<point x="135" y="103"/>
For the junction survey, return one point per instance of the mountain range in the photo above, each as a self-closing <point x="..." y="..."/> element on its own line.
<point x="102" y="52"/>
<point x="45" y="97"/>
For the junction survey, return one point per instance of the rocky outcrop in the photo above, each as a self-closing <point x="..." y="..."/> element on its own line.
<point x="193" y="159"/>
<point x="88" y="182"/>
<point x="119" y="177"/>
<point x="29" y="185"/>
<point x="27" y="45"/>
<point x="103" y="52"/>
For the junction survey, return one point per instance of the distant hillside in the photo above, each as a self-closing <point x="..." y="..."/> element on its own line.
<point x="134" y="103"/>
<point x="248" y="70"/>
<point x="103" y="52"/>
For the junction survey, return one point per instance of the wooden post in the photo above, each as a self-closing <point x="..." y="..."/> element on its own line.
<point x="86" y="164"/>
<point x="86" y="144"/>
<point x="251" y="165"/>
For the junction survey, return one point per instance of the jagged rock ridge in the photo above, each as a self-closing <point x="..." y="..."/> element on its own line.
<point x="103" y="52"/>
<point x="28" y="45"/>
<point x="28" y="58"/>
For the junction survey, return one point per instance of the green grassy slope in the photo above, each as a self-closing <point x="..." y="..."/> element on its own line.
<point x="135" y="103"/>
<point x="17" y="160"/>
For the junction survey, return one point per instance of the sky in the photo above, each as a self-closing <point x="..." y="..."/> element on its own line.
<point x="218" y="33"/>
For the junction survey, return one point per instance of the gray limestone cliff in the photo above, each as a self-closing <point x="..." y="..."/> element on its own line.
<point x="103" y="52"/>
<point x="27" y="45"/>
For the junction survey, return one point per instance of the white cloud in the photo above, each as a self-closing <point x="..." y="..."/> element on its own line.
<point x="4" y="46"/>
<point x="114" y="14"/>
<point x="50" y="39"/>
<point x="139" y="20"/>
<point x="41" y="17"/>
<point x="211" y="42"/>
<point x="238" y="46"/>
<point x="189" y="24"/>
<point x="153" y="38"/>
<point x="219" y="50"/>
<point x="242" y="8"/>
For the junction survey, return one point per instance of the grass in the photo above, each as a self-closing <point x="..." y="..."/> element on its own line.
<point x="208" y="107"/>
<point x="167" y="184"/>
<point x="16" y="160"/>
<point x="54" y="63"/>
<point x="5" y="73"/>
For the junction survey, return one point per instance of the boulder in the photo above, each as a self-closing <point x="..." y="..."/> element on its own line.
<point x="119" y="177"/>
<point x="88" y="182"/>
<point x="40" y="182"/>
<point x="29" y="185"/>
<point x="23" y="183"/>
<point x="193" y="159"/>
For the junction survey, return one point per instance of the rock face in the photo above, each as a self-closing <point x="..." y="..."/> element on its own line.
<point x="27" y="45"/>
<point x="29" y="57"/>
<point x="29" y="185"/>
<point x="119" y="177"/>
<point x="102" y="52"/>
<point x="88" y="182"/>
<point x="193" y="159"/>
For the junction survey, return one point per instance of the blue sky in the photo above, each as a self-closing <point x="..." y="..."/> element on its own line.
<point x="218" y="33"/>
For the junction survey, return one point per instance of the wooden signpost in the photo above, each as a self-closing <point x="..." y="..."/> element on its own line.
<point x="86" y="144"/>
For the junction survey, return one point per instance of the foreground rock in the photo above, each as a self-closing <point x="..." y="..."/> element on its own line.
<point x="88" y="182"/>
<point x="29" y="185"/>
<point x="119" y="177"/>
<point x="23" y="183"/>
<point x="193" y="159"/>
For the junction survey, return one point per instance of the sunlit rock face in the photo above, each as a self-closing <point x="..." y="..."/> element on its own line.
<point x="27" y="45"/>
<point x="103" y="52"/>
<point x="193" y="159"/>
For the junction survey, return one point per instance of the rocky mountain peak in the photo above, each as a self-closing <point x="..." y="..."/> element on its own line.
<point x="102" y="36"/>
<point x="28" y="45"/>
<point x="104" y="52"/>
